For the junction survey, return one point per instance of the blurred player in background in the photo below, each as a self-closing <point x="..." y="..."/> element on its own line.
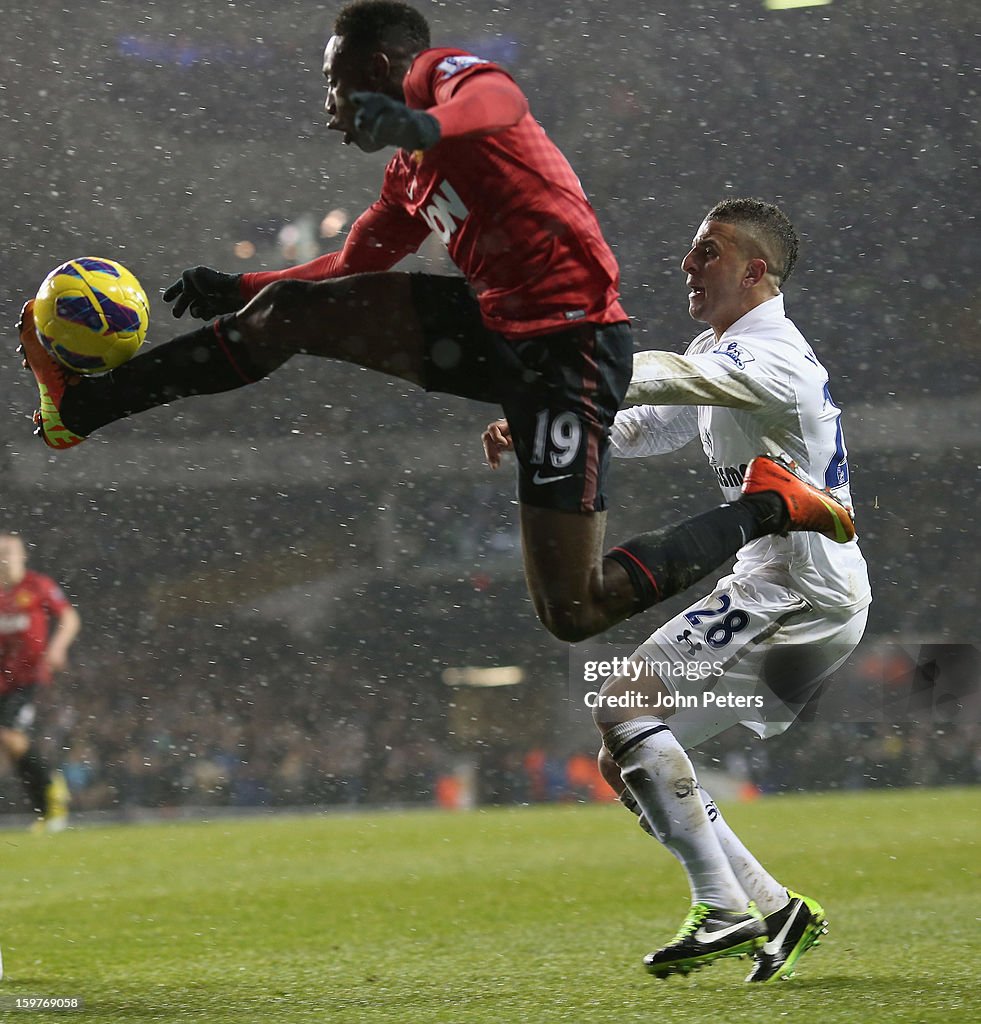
<point x="763" y="641"/>
<point x="534" y="324"/>
<point x="37" y="627"/>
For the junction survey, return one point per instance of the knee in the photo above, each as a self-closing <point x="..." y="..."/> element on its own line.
<point x="571" y="631"/>
<point x="618" y="700"/>
<point x="570" y="623"/>
<point x="275" y="306"/>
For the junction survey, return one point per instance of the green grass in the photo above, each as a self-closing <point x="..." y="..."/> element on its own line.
<point x="530" y="915"/>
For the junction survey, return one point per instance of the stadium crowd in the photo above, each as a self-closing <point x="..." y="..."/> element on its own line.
<point x="302" y="733"/>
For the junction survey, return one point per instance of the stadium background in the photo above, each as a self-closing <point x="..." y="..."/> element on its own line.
<point x="273" y="582"/>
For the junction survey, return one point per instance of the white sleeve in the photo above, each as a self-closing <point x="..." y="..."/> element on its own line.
<point x="665" y="378"/>
<point x="647" y="430"/>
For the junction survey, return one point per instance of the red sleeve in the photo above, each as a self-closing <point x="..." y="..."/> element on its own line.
<point x="466" y="94"/>
<point x="479" y="104"/>
<point x="378" y="239"/>
<point x="52" y="596"/>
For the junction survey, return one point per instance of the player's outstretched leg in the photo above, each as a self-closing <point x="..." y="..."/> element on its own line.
<point x="775" y="500"/>
<point x="808" y="508"/>
<point x="578" y="592"/>
<point x="209" y="360"/>
<point x="791" y="931"/>
<point x="71" y="407"/>
<point x="365" y="319"/>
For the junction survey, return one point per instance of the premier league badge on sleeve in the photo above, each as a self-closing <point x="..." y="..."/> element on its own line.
<point x="451" y="66"/>
<point x="739" y="356"/>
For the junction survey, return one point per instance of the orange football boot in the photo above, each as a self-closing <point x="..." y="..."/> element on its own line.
<point x="809" y="508"/>
<point x="52" y="381"/>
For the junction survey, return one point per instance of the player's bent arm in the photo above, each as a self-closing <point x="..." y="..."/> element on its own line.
<point x="461" y="110"/>
<point x="378" y="239"/>
<point x="480" y="104"/>
<point x="63" y="635"/>
<point x="652" y="430"/>
<point x="666" y="378"/>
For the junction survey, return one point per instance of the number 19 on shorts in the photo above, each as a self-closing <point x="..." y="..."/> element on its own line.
<point x="557" y="442"/>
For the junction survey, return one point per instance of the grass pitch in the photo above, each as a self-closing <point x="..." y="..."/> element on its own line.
<point x="526" y="914"/>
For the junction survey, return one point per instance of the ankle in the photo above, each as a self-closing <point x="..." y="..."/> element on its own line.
<point x="768" y="511"/>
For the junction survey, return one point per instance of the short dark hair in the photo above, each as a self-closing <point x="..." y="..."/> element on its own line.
<point x="369" y="24"/>
<point x="769" y="227"/>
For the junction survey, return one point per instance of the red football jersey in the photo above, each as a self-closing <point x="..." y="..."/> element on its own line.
<point x="507" y="205"/>
<point x="26" y="611"/>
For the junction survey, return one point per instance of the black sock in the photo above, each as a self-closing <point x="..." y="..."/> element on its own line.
<point x="33" y="772"/>
<point x="665" y="562"/>
<point x="207" y="361"/>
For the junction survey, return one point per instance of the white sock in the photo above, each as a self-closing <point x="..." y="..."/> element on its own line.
<point x="659" y="774"/>
<point x="761" y="887"/>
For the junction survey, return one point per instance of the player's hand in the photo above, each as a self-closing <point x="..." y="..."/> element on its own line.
<point x="496" y="440"/>
<point x="382" y="121"/>
<point x="57" y="661"/>
<point x="206" y="293"/>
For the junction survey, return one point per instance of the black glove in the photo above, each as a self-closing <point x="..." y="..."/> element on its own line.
<point x="207" y="293"/>
<point x="382" y="121"/>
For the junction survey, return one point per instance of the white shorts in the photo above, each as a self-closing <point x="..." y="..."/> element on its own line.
<point x="751" y="653"/>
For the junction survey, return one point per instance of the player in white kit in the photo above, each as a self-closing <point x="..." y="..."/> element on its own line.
<point x="792" y="610"/>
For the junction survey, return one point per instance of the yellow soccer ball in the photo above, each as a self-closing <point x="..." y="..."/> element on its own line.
<point x="91" y="314"/>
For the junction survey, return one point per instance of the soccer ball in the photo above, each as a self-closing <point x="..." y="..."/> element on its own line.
<point x="91" y="314"/>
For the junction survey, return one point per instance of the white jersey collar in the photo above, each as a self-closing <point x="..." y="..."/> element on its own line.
<point x="770" y="311"/>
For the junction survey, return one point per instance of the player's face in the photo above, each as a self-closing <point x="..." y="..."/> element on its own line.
<point x="719" y="275"/>
<point x="13" y="558"/>
<point x="346" y="72"/>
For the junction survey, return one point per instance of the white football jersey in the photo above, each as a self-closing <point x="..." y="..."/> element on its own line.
<point x="758" y="390"/>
